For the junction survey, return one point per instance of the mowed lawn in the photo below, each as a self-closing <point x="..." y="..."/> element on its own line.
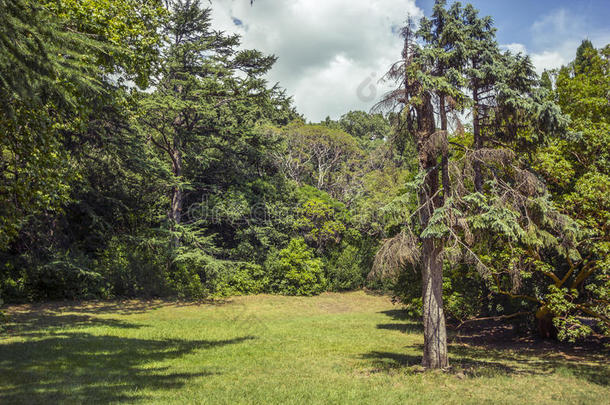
<point x="334" y="348"/>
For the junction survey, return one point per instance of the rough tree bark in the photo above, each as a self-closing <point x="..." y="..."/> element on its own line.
<point x="445" y="153"/>
<point x="176" y="208"/>
<point x="478" y="142"/>
<point x="175" y="212"/>
<point x="435" y="332"/>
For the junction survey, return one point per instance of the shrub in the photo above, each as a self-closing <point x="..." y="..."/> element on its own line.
<point x="243" y="278"/>
<point x="13" y="281"/>
<point x="295" y="271"/>
<point x="345" y="270"/>
<point x="69" y="275"/>
<point x="134" y="270"/>
<point x="147" y="266"/>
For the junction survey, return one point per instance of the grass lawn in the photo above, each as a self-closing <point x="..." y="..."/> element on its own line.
<point x="334" y="348"/>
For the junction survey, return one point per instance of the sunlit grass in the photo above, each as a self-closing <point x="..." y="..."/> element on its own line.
<point x="335" y="348"/>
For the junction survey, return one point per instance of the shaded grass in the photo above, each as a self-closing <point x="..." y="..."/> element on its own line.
<point x="335" y="348"/>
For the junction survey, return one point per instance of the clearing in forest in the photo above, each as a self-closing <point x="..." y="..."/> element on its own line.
<point x="333" y="348"/>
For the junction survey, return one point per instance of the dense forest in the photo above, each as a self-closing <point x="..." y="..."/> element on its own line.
<point x="145" y="154"/>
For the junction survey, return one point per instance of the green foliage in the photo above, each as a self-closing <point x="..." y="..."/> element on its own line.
<point x="71" y="276"/>
<point x="369" y="129"/>
<point x="345" y="269"/>
<point x="295" y="270"/>
<point x="185" y="282"/>
<point x="317" y="221"/>
<point x="210" y="184"/>
<point x="382" y="200"/>
<point x="130" y="28"/>
<point x="560" y="302"/>
<point x="243" y="278"/>
<point x="63" y="275"/>
<point x="464" y="293"/>
<point x="56" y="71"/>
<point x="584" y="56"/>
<point x="134" y="270"/>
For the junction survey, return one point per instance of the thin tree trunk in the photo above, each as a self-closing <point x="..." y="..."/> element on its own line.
<point x="478" y="177"/>
<point x="321" y="175"/>
<point x="175" y="213"/>
<point x="445" y="157"/>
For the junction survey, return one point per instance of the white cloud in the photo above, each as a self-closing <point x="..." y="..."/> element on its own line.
<point x="555" y="37"/>
<point x="515" y="48"/>
<point x="548" y="60"/>
<point x="541" y="60"/>
<point x="326" y="48"/>
<point x="556" y="23"/>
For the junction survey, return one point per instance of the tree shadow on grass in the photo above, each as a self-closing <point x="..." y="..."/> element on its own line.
<point x="496" y="349"/>
<point x="469" y="362"/>
<point x="134" y="306"/>
<point x="411" y="327"/>
<point x="396" y="314"/>
<point x="409" y="363"/>
<point x="407" y="326"/>
<point x="592" y="367"/>
<point x="29" y="319"/>
<point x="121" y="307"/>
<point x="387" y="361"/>
<point x="483" y="362"/>
<point x="41" y="323"/>
<point x="86" y="368"/>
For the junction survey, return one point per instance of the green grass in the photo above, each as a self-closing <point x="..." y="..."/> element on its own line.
<point x="335" y="348"/>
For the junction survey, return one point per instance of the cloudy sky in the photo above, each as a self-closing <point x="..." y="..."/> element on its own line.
<point x="332" y="52"/>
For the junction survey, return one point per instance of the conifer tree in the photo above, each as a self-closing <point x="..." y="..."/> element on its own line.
<point x="485" y="192"/>
<point x="418" y="82"/>
<point x="209" y="99"/>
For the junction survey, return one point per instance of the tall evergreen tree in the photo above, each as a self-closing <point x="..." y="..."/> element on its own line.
<point x="196" y="88"/>
<point x="481" y="57"/>
<point x="205" y="118"/>
<point x="418" y="82"/>
<point x="487" y="192"/>
<point x="441" y="35"/>
<point x="584" y="54"/>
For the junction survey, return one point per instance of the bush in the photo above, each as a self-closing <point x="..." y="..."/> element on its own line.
<point x="42" y="275"/>
<point x="295" y="271"/>
<point x="243" y="278"/>
<point x="134" y="270"/>
<point x="345" y="270"/>
<point x="194" y="273"/>
<point x="463" y="293"/>
<point x="155" y="269"/>
<point x="3" y="317"/>
<point x="13" y="281"/>
<point x="407" y="291"/>
<point x="69" y="275"/>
